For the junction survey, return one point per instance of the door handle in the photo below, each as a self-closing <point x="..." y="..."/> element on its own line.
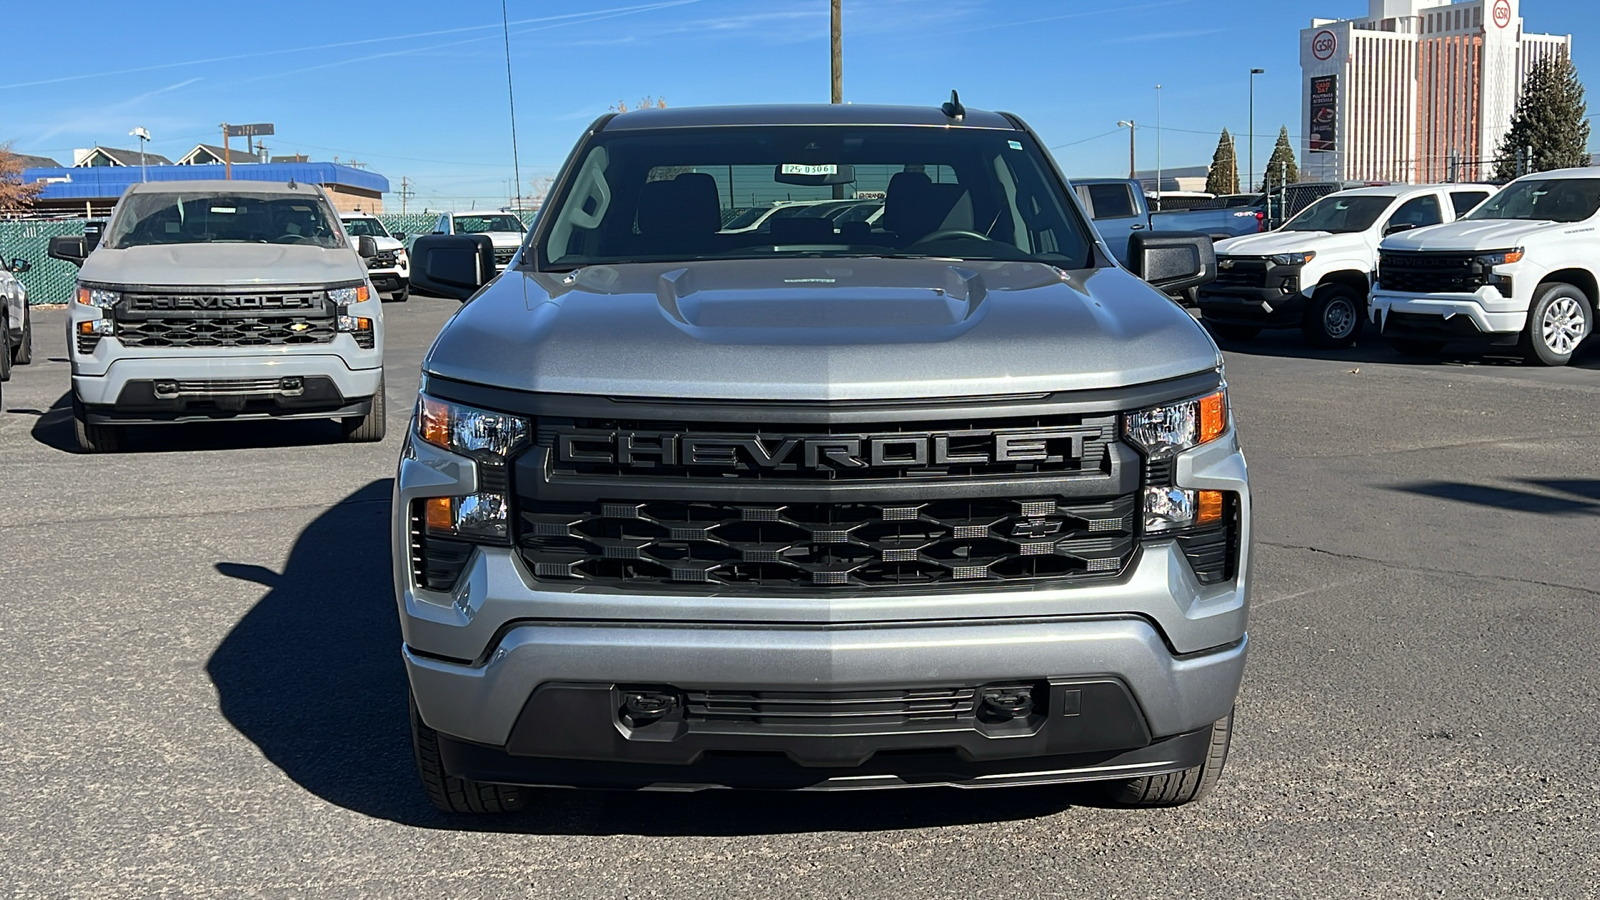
<point x="1135" y="227"/>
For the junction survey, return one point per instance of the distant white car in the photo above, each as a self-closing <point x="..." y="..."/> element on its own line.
<point x="390" y="270"/>
<point x="1314" y="272"/>
<point x="835" y="211"/>
<point x="503" y="228"/>
<point x="16" y="325"/>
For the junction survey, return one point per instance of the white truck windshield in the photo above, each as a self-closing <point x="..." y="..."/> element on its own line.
<point x="236" y="217"/>
<point x="1544" y="199"/>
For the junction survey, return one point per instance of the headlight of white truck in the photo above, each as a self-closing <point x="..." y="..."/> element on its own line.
<point x="93" y="296"/>
<point x="344" y="296"/>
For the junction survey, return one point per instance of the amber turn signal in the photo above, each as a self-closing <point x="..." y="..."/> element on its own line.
<point x="1213" y="416"/>
<point x="1208" y="507"/>
<point x="439" y="516"/>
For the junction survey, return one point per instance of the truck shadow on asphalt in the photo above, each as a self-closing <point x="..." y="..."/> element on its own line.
<point x="1583" y="495"/>
<point x="312" y="675"/>
<point x="53" y="428"/>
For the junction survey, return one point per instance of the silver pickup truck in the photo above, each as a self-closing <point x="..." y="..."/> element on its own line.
<point x="222" y="300"/>
<point x="944" y="498"/>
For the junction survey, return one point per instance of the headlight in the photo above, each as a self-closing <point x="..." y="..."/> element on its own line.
<point x="478" y="433"/>
<point x="1293" y="259"/>
<point x="345" y="296"/>
<point x="1500" y="257"/>
<point x="477" y="516"/>
<point x="97" y="297"/>
<point x="1163" y="431"/>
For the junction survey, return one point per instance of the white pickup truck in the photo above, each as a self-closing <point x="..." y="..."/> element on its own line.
<point x="1314" y="272"/>
<point x="1519" y="271"/>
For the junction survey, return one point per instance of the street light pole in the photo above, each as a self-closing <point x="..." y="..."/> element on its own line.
<point x="1133" y="173"/>
<point x="1158" y="147"/>
<point x="143" y="135"/>
<point x="1251" y="186"/>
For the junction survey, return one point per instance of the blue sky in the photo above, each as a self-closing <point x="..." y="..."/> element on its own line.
<point x="418" y="87"/>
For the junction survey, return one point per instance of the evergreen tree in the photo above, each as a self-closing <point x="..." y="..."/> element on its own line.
<point x="1281" y="168"/>
<point x="1550" y="118"/>
<point x="1223" y="176"/>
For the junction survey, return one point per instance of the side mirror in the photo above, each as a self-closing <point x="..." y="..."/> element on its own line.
<point x="452" y="265"/>
<point x="20" y="265"/>
<point x="1172" y="261"/>
<point x="69" y="248"/>
<point x="366" y="247"/>
<point x="398" y="235"/>
<point x="1397" y="226"/>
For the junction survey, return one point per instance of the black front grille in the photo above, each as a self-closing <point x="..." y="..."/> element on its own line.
<point x="230" y="331"/>
<point x="87" y="342"/>
<point x="385" y="259"/>
<point x="198" y="302"/>
<point x="1060" y="445"/>
<point x="765" y="546"/>
<point x="908" y="709"/>
<point x="1241" y="272"/>
<point x="502" y="255"/>
<point x="1430" y="273"/>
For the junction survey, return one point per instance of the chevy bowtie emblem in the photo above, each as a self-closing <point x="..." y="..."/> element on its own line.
<point x="1224" y="263"/>
<point x="299" y="326"/>
<point x="1036" y="528"/>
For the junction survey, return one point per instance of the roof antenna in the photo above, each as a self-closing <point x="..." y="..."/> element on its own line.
<point x="954" y="109"/>
<point x="292" y="185"/>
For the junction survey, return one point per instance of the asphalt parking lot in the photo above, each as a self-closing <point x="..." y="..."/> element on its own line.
<point x="201" y="694"/>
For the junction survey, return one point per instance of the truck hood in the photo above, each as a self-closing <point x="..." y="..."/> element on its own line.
<point x="1274" y="242"/>
<point x="1476" y="234"/>
<point x="504" y="240"/>
<point x="819" y="329"/>
<point x="217" y="265"/>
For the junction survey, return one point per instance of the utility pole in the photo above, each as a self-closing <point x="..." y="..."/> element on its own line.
<point x="1158" y="147"/>
<point x="838" y="53"/>
<point x="1251" y="186"/>
<point x="1129" y="124"/>
<point x="405" y="193"/>
<point x="227" y="155"/>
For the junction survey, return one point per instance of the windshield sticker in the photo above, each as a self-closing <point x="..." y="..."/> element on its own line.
<point x="808" y="169"/>
<point x="1015" y="145"/>
<point x="223" y="210"/>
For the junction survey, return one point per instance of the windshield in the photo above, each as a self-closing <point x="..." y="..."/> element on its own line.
<point x="484" y="224"/>
<point x="1543" y="199"/>
<point x="1340" y="215"/>
<point x="816" y="191"/>
<point x="206" y="218"/>
<point x="371" y="227"/>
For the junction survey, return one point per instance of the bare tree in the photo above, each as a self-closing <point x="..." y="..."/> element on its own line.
<point x="15" y="195"/>
<point x="645" y="102"/>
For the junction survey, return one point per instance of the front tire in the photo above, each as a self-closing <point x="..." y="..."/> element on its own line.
<point x="1558" y="321"/>
<point x="1334" y="318"/>
<point x="22" y="353"/>
<point x="367" y="429"/>
<point x="92" y="437"/>
<point x="1178" y="788"/>
<point x="403" y="294"/>
<point x="447" y="792"/>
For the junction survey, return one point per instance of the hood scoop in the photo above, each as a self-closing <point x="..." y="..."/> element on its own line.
<point x="822" y="303"/>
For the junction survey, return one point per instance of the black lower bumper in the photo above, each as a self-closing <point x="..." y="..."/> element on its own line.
<point x="1260" y="307"/>
<point x="158" y="401"/>
<point x="387" y="283"/>
<point x="582" y="735"/>
<point x="1403" y="326"/>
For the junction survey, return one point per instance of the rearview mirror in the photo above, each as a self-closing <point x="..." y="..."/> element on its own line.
<point x="20" y="265"/>
<point x="809" y="174"/>
<point x="452" y="265"/>
<point x="399" y="235"/>
<point x="68" y="247"/>
<point x="1172" y="261"/>
<point x="366" y="246"/>
<point x="1397" y="226"/>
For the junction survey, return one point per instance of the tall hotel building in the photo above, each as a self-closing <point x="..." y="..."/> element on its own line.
<point x="1418" y="91"/>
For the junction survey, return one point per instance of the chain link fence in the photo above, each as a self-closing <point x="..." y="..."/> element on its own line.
<point x="52" y="281"/>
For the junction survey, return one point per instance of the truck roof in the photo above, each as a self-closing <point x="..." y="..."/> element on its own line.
<point x="221" y="186"/>
<point x="801" y="114"/>
<point x="1589" y="172"/>
<point x="1401" y="190"/>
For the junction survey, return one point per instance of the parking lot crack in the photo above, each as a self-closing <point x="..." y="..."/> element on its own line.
<point x="1428" y="570"/>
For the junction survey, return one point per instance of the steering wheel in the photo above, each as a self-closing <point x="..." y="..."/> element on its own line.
<point x="946" y="233"/>
<point x="291" y="239"/>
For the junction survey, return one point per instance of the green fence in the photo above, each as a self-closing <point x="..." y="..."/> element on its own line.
<point x="52" y="281"/>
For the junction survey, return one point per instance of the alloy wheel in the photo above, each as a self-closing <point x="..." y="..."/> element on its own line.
<point x="1562" y="325"/>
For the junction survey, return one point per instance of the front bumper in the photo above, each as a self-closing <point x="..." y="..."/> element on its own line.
<point x="484" y="657"/>
<point x="1485" y="314"/>
<point x="135" y="389"/>
<point x="1261" y="307"/>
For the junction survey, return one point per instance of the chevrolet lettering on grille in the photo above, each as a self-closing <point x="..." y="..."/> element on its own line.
<point x="842" y="453"/>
